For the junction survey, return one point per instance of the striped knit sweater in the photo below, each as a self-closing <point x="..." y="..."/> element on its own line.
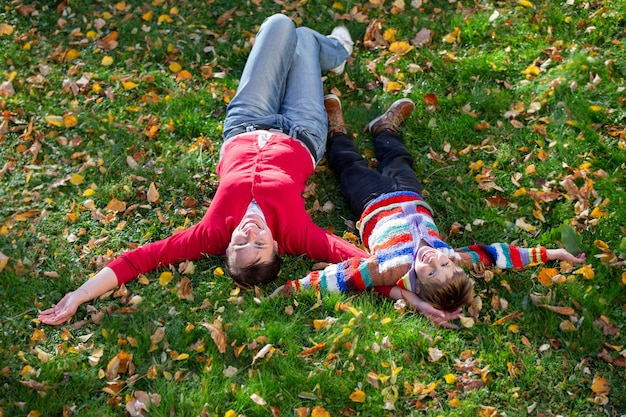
<point x="392" y="227"/>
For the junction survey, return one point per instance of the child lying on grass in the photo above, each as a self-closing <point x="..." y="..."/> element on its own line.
<point x="408" y="258"/>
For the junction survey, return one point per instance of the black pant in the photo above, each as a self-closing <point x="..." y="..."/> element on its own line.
<point x="361" y="184"/>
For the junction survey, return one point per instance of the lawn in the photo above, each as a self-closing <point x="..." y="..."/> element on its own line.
<point x="110" y="133"/>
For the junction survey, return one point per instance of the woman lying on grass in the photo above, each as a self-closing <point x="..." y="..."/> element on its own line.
<point x="408" y="258"/>
<point x="274" y="134"/>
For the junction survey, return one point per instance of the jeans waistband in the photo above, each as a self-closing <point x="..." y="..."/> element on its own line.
<point x="300" y="137"/>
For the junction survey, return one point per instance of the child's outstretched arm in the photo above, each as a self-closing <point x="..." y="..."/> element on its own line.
<point x="102" y="282"/>
<point x="501" y="255"/>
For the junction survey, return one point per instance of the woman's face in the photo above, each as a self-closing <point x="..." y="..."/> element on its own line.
<point x="251" y="242"/>
<point x="432" y="265"/>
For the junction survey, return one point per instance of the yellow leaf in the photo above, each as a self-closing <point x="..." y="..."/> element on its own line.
<point x="400" y="48"/>
<point x="337" y="5"/>
<point x="230" y="413"/>
<point x="182" y="357"/>
<point x="595" y="108"/>
<point x="586" y="271"/>
<point x="165" y="278"/>
<point x="390" y="35"/>
<point x="520" y="192"/>
<point x="597" y="212"/>
<point x="318" y="324"/>
<point x="54" y="120"/>
<point x="393" y="86"/>
<point x="600" y="385"/>
<point x="5" y="29"/>
<point x="455" y="402"/>
<point x="219" y="272"/>
<point x="453" y="36"/>
<point x="107" y="60"/>
<point x="531" y="70"/>
<point x="76" y="179"/>
<point x="545" y="276"/>
<point x="623" y="277"/>
<point x="165" y="18"/>
<point x="526" y="3"/>
<point x="88" y="192"/>
<point x="147" y="16"/>
<point x="358" y="396"/>
<point x="183" y="75"/>
<point x="450" y="378"/>
<point x="175" y="66"/>
<point x="69" y="120"/>
<point x="120" y="6"/>
<point x="129" y="85"/>
<point x="319" y="411"/>
<point x="71" y="55"/>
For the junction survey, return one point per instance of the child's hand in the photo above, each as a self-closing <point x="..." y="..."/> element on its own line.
<point x="440" y="317"/>
<point x="564" y="255"/>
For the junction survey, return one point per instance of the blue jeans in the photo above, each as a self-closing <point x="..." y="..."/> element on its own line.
<point x="281" y="84"/>
<point x="359" y="183"/>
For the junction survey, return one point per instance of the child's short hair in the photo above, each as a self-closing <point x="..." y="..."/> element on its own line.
<point x="255" y="274"/>
<point x="457" y="292"/>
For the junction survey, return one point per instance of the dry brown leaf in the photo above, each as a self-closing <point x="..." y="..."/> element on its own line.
<point x="566" y="311"/>
<point x="508" y="317"/>
<point x="217" y="334"/>
<point x="185" y="289"/>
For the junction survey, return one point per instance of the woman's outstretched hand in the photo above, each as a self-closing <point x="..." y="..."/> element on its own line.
<point x="64" y="309"/>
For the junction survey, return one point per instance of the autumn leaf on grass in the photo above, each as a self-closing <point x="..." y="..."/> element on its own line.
<point x="508" y="317"/>
<point x="358" y="396"/>
<point x="400" y="48"/>
<point x="116" y="206"/>
<point x="185" y="289"/>
<point x="268" y="349"/>
<point x="153" y="193"/>
<point x="549" y="276"/>
<point x="566" y="311"/>
<point x="312" y="350"/>
<point x="600" y="389"/>
<point x="139" y="404"/>
<point x="3" y="261"/>
<point x="454" y="36"/>
<point x="217" y="334"/>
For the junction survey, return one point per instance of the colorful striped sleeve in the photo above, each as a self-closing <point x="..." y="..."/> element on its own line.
<point x="355" y="274"/>
<point x="503" y="256"/>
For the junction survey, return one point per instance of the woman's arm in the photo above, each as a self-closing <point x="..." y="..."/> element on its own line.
<point x="102" y="282"/>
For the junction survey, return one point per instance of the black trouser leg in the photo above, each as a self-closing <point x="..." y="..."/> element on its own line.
<point x="396" y="162"/>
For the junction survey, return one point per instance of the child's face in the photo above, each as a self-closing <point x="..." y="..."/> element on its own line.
<point x="433" y="266"/>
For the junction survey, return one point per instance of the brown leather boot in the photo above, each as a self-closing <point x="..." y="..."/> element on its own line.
<point x="335" y="117"/>
<point x="395" y="115"/>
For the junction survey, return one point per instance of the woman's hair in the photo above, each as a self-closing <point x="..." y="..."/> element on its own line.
<point x="457" y="292"/>
<point x="255" y="274"/>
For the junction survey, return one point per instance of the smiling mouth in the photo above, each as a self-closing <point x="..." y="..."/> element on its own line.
<point x="428" y="256"/>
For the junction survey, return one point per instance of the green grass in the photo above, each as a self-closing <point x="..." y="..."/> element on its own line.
<point x="54" y="239"/>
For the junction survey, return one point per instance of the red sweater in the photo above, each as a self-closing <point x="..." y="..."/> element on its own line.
<point x="275" y="175"/>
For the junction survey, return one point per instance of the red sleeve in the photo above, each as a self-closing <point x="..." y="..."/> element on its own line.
<point x="200" y="239"/>
<point x="384" y="290"/>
